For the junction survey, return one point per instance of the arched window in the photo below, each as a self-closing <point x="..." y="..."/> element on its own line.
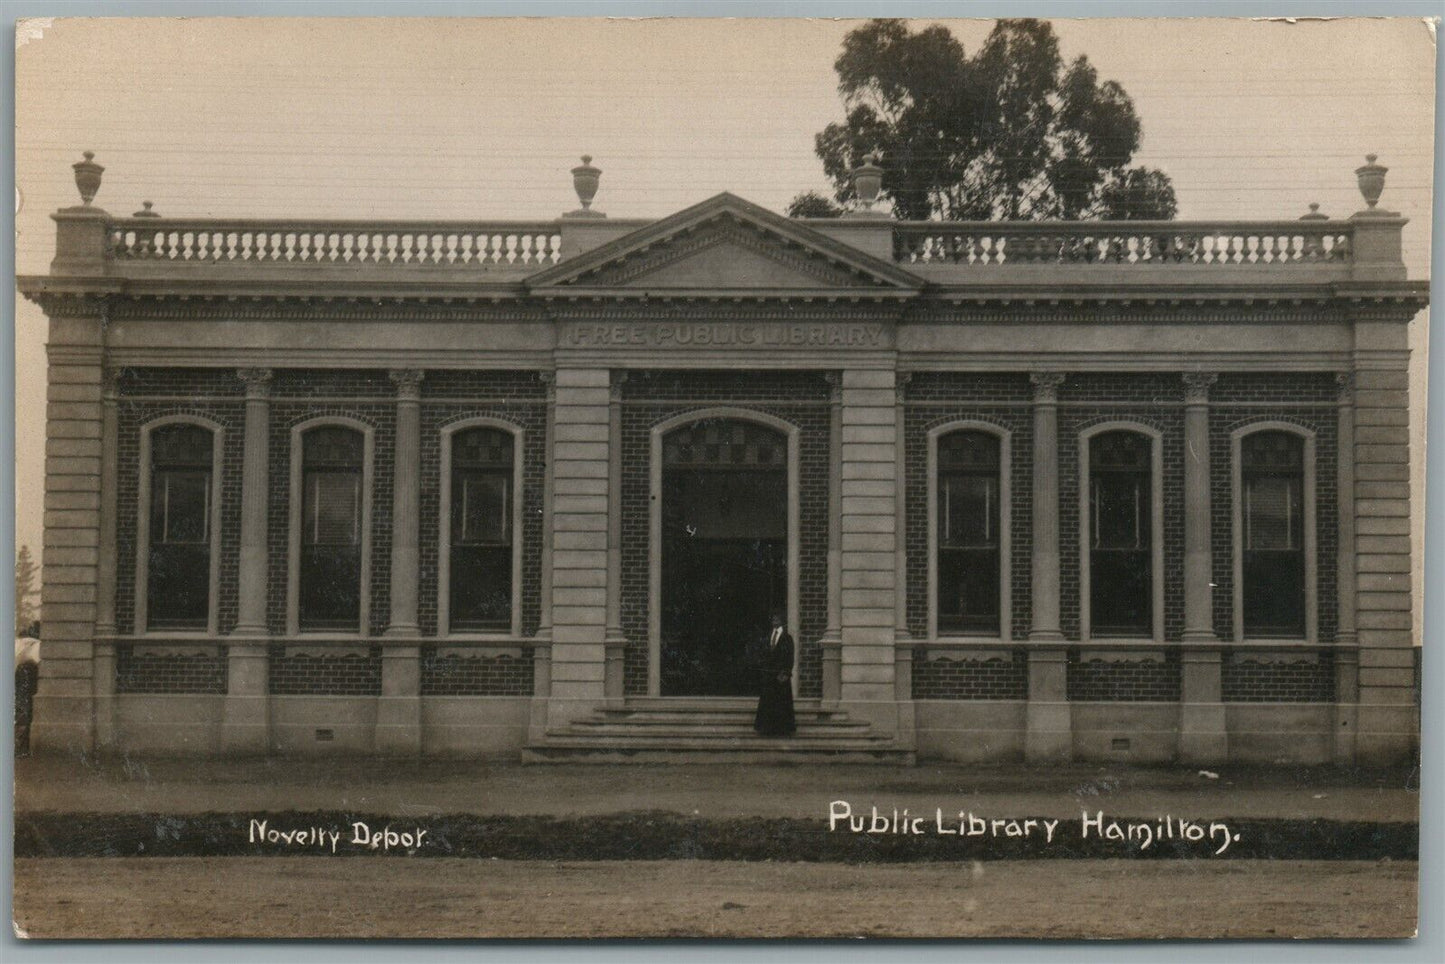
<point x="968" y="533"/>
<point x="1120" y="534"/>
<point x="329" y="591"/>
<point x="181" y="532"/>
<point x="1273" y="533"/>
<point x="481" y="532"/>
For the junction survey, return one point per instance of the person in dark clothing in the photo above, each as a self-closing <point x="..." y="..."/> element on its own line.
<point x="775" y="703"/>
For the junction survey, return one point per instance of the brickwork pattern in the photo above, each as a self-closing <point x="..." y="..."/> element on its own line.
<point x="1246" y="680"/>
<point x="199" y="383"/>
<point x="1131" y="681"/>
<point x="175" y="673"/>
<point x="531" y="418"/>
<point x="772" y="393"/>
<point x="946" y="678"/>
<point x="305" y="674"/>
<point x="131" y="417"/>
<point x="974" y="392"/>
<point x="478" y="675"/>
<point x="1322" y="419"/>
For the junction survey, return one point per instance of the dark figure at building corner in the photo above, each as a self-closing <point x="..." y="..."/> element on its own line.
<point x="775" y="704"/>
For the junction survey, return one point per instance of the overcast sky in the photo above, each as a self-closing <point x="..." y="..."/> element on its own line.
<point x="483" y="118"/>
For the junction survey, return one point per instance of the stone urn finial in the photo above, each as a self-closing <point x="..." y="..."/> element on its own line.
<point x="1372" y="180"/>
<point x="867" y="181"/>
<point x="1314" y="214"/>
<point x="585" y="178"/>
<point x="145" y="211"/>
<point x="87" y="177"/>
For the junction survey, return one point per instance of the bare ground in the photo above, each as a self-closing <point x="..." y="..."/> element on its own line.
<point x="381" y="897"/>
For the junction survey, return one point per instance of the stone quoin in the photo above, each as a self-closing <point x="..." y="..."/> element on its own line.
<point x="1042" y="491"/>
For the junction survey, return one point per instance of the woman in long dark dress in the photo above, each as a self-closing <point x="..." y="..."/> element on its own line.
<point x="775" y="703"/>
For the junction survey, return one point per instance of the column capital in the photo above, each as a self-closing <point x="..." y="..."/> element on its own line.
<point x="407" y="382"/>
<point x="1197" y="385"/>
<point x="109" y="383"/>
<point x="257" y="382"/>
<point x="1345" y="387"/>
<point x="1046" y="385"/>
<point x="614" y="387"/>
<point x="548" y="381"/>
<point x="834" y="381"/>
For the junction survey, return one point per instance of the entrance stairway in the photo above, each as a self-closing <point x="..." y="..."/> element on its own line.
<point x="710" y="730"/>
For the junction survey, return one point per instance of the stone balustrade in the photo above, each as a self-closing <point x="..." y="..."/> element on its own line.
<point x="414" y="243"/>
<point x="1119" y="243"/>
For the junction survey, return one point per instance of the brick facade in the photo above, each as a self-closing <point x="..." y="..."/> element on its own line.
<point x="1124" y="681"/>
<point x="1309" y="678"/>
<point x="946" y="678"/>
<point x="475" y="674"/>
<point x="309" y="674"/>
<point x="172" y="673"/>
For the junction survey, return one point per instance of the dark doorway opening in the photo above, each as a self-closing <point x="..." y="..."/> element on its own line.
<point x="724" y="554"/>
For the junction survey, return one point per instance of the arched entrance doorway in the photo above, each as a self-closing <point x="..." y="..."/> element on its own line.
<point x="724" y="534"/>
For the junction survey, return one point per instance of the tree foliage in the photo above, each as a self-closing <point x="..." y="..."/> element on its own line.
<point x="27" y="575"/>
<point x="1010" y="133"/>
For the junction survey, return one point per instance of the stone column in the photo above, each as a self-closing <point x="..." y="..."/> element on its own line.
<point x="1347" y="666"/>
<point x="579" y="552"/>
<point x="65" y="702"/>
<point x="614" y="640"/>
<point x="398" y="712"/>
<point x="406" y="506"/>
<point x="255" y="482"/>
<point x="1388" y="717"/>
<point x="1202" y="735"/>
<point x="245" y="716"/>
<point x="105" y="630"/>
<point x="1049" y="735"/>
<point x="832" y="641"/>
<point x="868" y="526"/>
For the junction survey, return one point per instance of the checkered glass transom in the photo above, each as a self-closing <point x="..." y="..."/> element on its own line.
<point x="724" y="443"/>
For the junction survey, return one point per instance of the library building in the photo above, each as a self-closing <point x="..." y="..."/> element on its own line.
<point x="537" y="489"/>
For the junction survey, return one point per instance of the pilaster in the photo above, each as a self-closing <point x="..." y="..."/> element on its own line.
<point x="1203" y="738"/>
<point x="398" y="714"/>
<point x="542" y="646"/>
<point x="868" y="537"/>
<point x="579" y="541"/>
<point x="406" y="505"/>
<point x="65" y="701"/>
<point x="1388" y="727"/>
<point x="245" y="723"/>
<point x="1049" y="735"/>
<point x="103" y="679"/>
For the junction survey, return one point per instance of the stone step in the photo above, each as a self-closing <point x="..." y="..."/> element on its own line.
<point x="873" y="756"/>
<point x="592" y="728"/>
<point x="709" y="719"/>
<point x="707" y="741"/>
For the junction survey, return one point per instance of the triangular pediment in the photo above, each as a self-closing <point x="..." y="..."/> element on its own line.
<point x="725" y="246"/>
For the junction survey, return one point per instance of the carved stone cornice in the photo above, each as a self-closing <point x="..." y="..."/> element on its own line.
<point x="1197" y="385"/>
<point x="257" y="382"/>
<point x="407" y="382"/>
<point x="1046" y="385"/>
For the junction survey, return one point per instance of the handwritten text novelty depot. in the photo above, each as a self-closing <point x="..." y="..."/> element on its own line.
<point x="1142" y="834"/>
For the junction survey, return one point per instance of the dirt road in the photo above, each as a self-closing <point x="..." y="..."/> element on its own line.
<point x="379" y="897"/>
